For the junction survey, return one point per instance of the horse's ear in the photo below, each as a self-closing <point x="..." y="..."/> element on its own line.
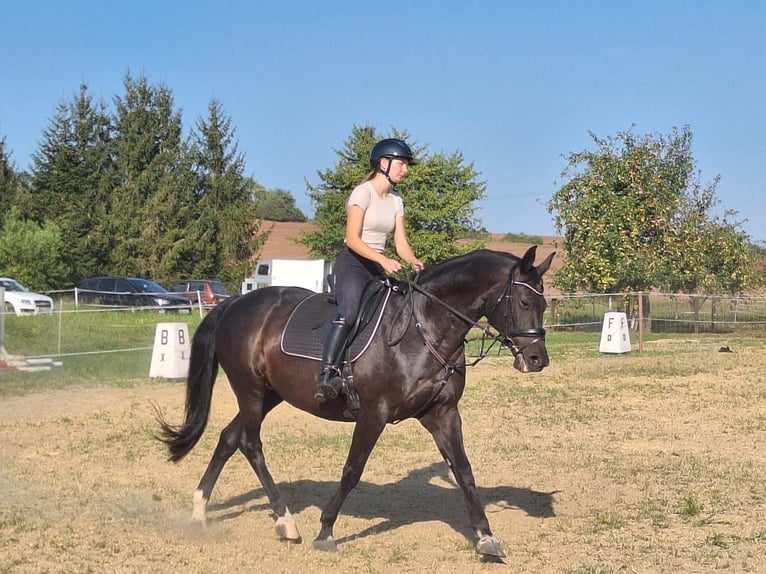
<point x="545" y="265"/>
<point x="528" y="261"/>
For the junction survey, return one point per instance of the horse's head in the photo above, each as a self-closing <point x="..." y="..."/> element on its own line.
<point x="518" y="313"/>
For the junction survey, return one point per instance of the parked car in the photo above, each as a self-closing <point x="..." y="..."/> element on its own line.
<point x="22" y="301"/>
<point x="119" y="291"/>
<point x="206" y="291"/>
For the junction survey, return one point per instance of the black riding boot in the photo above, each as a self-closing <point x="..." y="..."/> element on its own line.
<point x="330" y="382"/>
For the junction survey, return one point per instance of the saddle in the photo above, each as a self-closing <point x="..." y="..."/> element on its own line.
<point x="303" y="334"/>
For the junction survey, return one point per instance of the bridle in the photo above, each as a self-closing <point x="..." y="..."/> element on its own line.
<point x="505" y="340"/>
<point x="536" y="333"/>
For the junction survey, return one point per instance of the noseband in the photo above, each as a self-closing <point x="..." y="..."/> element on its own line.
<point x="536" y="333"/>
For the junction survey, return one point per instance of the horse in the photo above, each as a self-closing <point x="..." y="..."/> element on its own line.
<point x="414" y="367"/>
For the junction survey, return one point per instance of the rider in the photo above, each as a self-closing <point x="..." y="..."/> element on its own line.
<point x="373" y="210"/>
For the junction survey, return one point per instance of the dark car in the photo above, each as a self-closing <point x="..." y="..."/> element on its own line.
<point x="205" y="291"/>
<point x="118" y="291"/>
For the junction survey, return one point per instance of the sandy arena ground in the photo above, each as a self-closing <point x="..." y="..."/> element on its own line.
<point x="580" y="474"/>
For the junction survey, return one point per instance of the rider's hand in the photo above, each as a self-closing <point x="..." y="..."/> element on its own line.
<point x="391" y="266"/>
<point x="417" y="265"/>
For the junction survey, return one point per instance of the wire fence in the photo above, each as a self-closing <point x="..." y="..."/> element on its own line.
<point x="660" y="312"/>
<point x="75" y="330"/>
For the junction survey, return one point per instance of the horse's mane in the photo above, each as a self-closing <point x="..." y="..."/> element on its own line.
<point x="469" y="266"/>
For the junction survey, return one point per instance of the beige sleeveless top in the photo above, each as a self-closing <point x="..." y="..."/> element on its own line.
<point x="380" y="213"/>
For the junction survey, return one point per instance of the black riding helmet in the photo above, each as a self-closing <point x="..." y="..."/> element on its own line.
<point x="390" y="148"/>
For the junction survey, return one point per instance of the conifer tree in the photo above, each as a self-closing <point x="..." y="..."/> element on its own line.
<point x="151" y="205"/>
<point x="8" y="181"/>
<point x="71" y="180"/>
<point x="224" y="233"/>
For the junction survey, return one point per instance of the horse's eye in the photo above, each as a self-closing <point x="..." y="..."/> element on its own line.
<point x="524" y="304"/>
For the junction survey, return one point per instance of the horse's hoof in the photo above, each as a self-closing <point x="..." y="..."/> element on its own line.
<point x="199" y="514"/>
<point x="287" y="529"/>
<point x="325" y="545"/>
<point x="489" y="547"/>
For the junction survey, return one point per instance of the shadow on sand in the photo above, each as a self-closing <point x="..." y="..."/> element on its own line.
<point x="414" y="498"/>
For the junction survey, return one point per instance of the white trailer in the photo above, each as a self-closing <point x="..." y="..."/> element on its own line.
<point x="307" y="273"/>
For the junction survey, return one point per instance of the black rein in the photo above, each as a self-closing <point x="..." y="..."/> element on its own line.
<point x="504" y="340"/>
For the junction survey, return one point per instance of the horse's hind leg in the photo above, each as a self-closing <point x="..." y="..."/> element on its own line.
<point x="229" y="441"/>
<point x="252" y="447"/>
<point x="445" y="425"/>
<point x="232" y="438"/>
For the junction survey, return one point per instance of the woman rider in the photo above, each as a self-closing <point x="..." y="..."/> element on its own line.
<point x="373" y="211"/>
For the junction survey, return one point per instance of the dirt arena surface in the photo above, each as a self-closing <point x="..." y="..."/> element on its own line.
<point x="583" y="470"/>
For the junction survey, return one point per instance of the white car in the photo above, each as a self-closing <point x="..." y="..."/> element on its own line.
<point x="20" y="300"/>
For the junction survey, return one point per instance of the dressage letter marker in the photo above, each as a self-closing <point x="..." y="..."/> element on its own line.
<point x="614" y="334"/>
<point x="172" y="348"/>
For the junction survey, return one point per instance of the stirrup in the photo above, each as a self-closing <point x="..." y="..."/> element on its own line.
<point x="329" y="386"/>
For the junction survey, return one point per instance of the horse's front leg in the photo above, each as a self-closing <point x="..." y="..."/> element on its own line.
<point x="366" y="434"/>
<point x="445" y="425"/>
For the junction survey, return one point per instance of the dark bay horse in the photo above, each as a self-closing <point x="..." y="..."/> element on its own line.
<point x="415" y="367"/>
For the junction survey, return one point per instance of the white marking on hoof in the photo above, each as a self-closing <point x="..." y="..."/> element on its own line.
<point x="199" y="509"/>
<point x="287" y="528"/>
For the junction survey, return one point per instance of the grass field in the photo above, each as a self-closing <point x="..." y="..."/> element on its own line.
<point x="97" y="348"/>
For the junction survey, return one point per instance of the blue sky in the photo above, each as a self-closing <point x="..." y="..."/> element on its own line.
<point x="515" y="86"/>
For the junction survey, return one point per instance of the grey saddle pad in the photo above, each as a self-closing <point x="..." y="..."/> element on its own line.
<point x="303" y="335"/>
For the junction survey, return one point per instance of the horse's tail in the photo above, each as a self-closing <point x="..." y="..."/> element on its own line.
<point x="203" y="370"/>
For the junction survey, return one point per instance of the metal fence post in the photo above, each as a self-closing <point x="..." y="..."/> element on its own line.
<point x="2" y="320"/>
<point x="640" y="321"/>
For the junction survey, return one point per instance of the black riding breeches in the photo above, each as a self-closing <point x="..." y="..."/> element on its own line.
<point x="352" y="272"/>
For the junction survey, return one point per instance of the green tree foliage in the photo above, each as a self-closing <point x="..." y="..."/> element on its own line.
<point x="151" y="204"/>
<point x="523" y="238"/>
<point x="438" y="193"/>
<point x="224" y="230"/>
<point x="329" y="197"/>
<point x="29" y="252"/>
<point x="71" y="177"/>
<point x="703" y="254"/>
<point x="634" y="216"/>
<point x="759" y="256"/>
<point x="129" y="194"/>
<point x="8" y="182"/>
<point x="276" y="205"/>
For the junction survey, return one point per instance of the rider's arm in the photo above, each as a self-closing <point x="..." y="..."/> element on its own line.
<point x="402" y="245"/>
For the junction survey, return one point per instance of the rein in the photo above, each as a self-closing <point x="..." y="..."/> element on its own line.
<point x="486" y="332"/>
<point x="505" y="340"/>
